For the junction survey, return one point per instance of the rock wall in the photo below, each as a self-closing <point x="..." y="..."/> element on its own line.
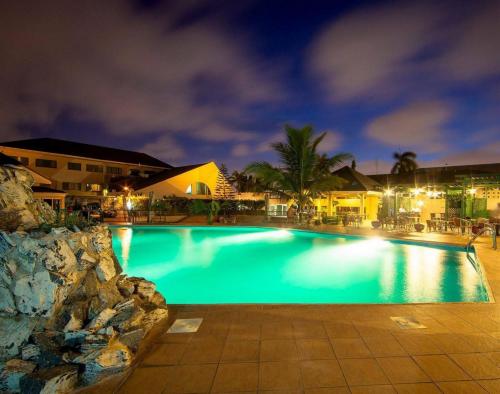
<point x="18" y="209"/>
<point x="68" y="315"/>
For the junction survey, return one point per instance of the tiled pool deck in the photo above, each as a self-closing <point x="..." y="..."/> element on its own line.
<point x="326" y="349"/>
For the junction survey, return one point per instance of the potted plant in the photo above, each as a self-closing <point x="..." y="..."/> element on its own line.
<point x="376" y="224"/>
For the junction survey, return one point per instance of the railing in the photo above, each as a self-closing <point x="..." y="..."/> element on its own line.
<point x="487" y="227"/>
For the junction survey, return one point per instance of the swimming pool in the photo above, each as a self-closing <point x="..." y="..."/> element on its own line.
<point x="212" y="265"/>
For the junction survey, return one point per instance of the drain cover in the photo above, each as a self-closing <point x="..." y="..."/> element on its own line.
<point x="407" y="322"/>
<point x="185" y="325"/>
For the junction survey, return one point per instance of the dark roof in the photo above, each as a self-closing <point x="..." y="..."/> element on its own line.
<point x="355" y="181"/>
<point x="137" y="183"/>
<point x="7" y="160"/>
<point x="441" y="175"/>
<point x="52" y="145"/>
<point x="45" y="189"/>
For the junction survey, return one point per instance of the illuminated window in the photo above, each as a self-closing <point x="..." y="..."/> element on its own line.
<point x="202" y="188"/>
<point x="93" y="187"/>
<point x="189" y="190"/>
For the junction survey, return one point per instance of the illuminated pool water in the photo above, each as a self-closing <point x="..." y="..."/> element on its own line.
<point x="210" y="265"/>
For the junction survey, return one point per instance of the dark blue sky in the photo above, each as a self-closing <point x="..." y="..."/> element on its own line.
<point x="191" y="81"/>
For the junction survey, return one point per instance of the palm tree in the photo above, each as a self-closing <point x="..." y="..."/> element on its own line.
<point x="303" y="174"/>
<point x="405" y="163"/>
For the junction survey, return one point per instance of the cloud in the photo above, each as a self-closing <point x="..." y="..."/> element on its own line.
<point x="331" y="142"/>
<point x="129" y="71"/>
<point x="371" y="49"/>
<point x="474" y="53"/>
<point x="419" y="126"/>
<point x="241" y="150"/>
<point x="166" y="148"/>
<point x="396" y="49"/>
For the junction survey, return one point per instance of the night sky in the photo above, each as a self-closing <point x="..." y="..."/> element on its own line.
<point x="191" y="81"/>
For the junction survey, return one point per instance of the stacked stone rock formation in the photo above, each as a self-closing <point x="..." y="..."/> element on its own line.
<point x="68" y="315"/>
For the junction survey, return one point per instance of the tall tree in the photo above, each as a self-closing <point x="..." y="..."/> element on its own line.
<point x="405" y="163"/>
<point x="223" y="189"/>
<point x="303" y="174"/>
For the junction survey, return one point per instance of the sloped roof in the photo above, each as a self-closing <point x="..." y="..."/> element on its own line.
<point x="440" y="175"/>
<point x="138" y="183"/>
<point x="356" y="181"/>
<point x="63" y="147"/>
<point x="7" y="160"/>
<point x="45" y="189"/>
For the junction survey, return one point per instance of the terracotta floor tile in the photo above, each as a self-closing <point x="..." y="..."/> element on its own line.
<point x="328" y="390"/>
<point x="188" y="378"/>
<point x="350" y="348"/>
<point x="244" y="332"/>
<point x="495" y="357"/>
<point x="234" y="377"/>
<point x="491" y="386"/>
<point x="279" y="375"/>
<point x="386" y="345"/>
<point x="321" y="373"/>
<point x="218" y="329"/>
<point x="359" y="371"/>
<point x="278" y="350"/>
<point x="156" y="378"/>
<point x="483" y="342"/>
<point x="314" y="349"/>
<point x="203" y="350"/>
<point x="452" y="343"/>
<point x="374" y="327"/>
<point x="341" y="330"/>
<point x="309" y="330"/>
<point x="165" y="354"/>
<point x="377" y="389"/>
<point x="277" y="330"/>
<point x="477" y="365"/>
<point x="441" y="368"/>
<point x="175" y="338"/>
<point x="417" y="388"/>
<point x="240" y="351"/>
<point x="402" y="370"/>
<point x="416" y="344"/>
<point x="462" y="387"/>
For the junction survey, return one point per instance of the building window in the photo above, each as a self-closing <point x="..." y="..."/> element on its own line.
<point x="94" y="168"/>
<point x="189" y="189"/>
<point x="46" y="163"/>
<point x="71" y="186"/>
<point x="279" y="210"/>
<point x="134" y="172"/>
<point x="114" y="170"/>
<point x="75" y="166"/>
<point x="93" y="187"/>
<point x="202" y="188"/>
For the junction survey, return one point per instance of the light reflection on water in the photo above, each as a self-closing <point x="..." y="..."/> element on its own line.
<point x="252" y="265"/>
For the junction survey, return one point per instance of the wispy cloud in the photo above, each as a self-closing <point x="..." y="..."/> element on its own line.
<point x="420" y="126"/>
<point x="396" y="49"/>
<point x="130" y="72"/>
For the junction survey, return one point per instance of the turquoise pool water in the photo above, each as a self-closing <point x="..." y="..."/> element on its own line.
<point x="211" y="265"/>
